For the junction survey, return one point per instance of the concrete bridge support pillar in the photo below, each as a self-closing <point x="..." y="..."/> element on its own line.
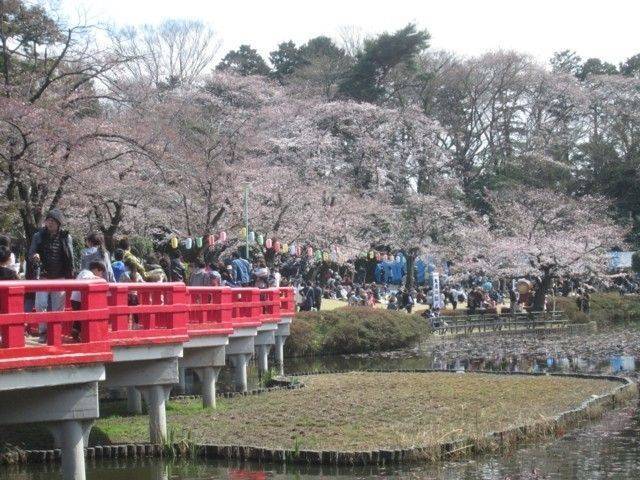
<point x="206" y="355"/>
<point x="156" y="397"/>
<point x="208" y="377"/>
<point x="150" y="371"/>
<point x="182" y="379"/>
<point x="239" y="351"/>
<point x="263" y="343"/>
<point x="284" y="329"/>
<point x="280" y="339"/>
<point x="71" y="437"/>
<point x="134" y="401"/>
<point x="262" y="358"/>
<point x="239" y="362"/>
<point x="65" y="399"/>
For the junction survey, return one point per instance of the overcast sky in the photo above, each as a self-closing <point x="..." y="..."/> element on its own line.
<point x="607" y="29"/>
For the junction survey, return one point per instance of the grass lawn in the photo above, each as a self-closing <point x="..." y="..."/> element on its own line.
<point x="362" y="411"/>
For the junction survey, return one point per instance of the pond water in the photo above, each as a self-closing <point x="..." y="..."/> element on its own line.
<point x="608" y="449"/>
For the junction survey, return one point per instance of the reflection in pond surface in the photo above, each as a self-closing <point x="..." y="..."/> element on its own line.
<point x="608" y="449"/>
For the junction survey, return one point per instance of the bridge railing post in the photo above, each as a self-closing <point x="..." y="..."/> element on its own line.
<point x="177" y="318"/>
<point x="12" y="309"/>
<point x="93" y="299"/>
<point x="118" y="302"/>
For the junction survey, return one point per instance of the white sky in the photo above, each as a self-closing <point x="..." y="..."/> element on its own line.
<point x="607" y="29"/>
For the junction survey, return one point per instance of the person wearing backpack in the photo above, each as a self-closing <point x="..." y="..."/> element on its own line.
<point x="95" y="252"/>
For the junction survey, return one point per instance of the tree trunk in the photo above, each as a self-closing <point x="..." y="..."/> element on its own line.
<point x="411" y="261"/>
<point x="541" y="291"/>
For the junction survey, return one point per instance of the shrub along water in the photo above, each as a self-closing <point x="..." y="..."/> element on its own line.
<point x="354" y="330"/>
<point x="606" y="309"/>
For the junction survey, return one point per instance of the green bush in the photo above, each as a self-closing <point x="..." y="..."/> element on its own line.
<point x="606" y="308"/>
<point x="141" y="246"/>
<point x="353" y="330"/>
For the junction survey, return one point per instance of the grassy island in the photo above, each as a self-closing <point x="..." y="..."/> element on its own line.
<point x="365" y="411"/>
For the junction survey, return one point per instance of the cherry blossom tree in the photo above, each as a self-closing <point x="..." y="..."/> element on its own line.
<point x="543" y="233"/>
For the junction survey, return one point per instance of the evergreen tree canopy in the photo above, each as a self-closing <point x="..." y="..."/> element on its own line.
<point x="366" y="80"/>
<point x="244" y="61"/>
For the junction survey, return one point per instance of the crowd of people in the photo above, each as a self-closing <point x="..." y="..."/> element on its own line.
<point x="51" y="256"/>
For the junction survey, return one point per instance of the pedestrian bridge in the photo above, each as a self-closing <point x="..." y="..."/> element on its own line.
<point x="138" y="336"/>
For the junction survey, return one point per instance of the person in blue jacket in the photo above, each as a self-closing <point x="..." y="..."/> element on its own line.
<point x="241" y="270"/>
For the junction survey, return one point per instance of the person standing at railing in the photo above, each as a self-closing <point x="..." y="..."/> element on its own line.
<point x="241" y="270"/>
<point x="261" y="275"/>
<point x="95" y="270"/>
<point x="95" y="252"/>
<point x="177" y="270"/>
<point x="51" y="252"/>
<point x="129" y="258"/>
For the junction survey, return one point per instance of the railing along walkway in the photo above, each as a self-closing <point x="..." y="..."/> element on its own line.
<point x="495" y="322"/>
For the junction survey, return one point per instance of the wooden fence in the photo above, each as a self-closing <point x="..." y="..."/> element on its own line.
<point x="494" y="322"/>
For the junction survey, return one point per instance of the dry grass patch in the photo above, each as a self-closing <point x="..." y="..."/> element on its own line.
<point x="364" y="411"/>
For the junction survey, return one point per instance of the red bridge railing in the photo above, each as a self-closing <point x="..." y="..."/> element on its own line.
<point x="89" y="345"/>
<point x="210" y="311"/>
<point x="287" y="302"/>
<point x="147" y="313"/>
<point x="126" y="314"/>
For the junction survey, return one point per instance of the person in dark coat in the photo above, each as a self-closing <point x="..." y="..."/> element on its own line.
<point x="308" y="298"/>
<point x="51" y="257"/>
<point x="177" y="271"/>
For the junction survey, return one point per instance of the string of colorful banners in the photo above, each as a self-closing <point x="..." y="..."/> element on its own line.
<point x="294" y="249"/>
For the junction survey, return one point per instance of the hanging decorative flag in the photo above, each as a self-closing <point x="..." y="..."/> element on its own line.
<point x="198" y="242"/>
<point x="252" y="236"/>
<point x="174" y="242"/>
<point x="211" y="240"/>
<point x="276" y="246"/>
<point x="285" y="248"/>
<point x="325" y="256"/>
<point x="268" y="243"/>
<point x="188" y="243"/>
<point x="318" y="255"/>
<point x="243" y="232"/>
<point x="292" y="248"/>
<point x="260" y="240"/>
<point x="309" y="251"/>
<point x="223" y="236"/>
<point x="378" y="256"/>
<point x="372" y="254"/>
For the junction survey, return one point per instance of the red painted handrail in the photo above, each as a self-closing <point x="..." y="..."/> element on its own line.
<point x="158" y="314"/>
<point x="210" y="311"/>
<point x="90" y="345"/>
<point x="127" y="314"/>
<point x="287" y="302"/>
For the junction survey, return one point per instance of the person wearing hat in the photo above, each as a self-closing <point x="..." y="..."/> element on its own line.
<point x="52" y="251"/>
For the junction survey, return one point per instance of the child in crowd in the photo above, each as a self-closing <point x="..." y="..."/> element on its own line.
<point x="95" y="271"/>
